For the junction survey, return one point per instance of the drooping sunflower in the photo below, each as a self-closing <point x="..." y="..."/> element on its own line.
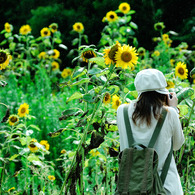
<point x="141" y="51"/>
<point x="172" y="61"/>
<point x="181" y="71"/>
<point x="115" y="102"/>
<point x="55" y="65"/>
<point x="107" y="98"/>
<point x="159" y="26"/>
<point x="8" y="27"/>
<point x="111" y="16"/>
<point x="66" y="72"/>
<point x="53" y="27"/>
<point x="156" y="53"/>
<point x="45" y="32"/>
<point x="42" y="55"/>
<point x="110" y="53"/>
<point x="63" y="151"/>
<point x="23" y="110"/>
<point x="55" y="54"/>
<point x="88" y="54"/>
<point x="4" y="59"/>
<point x="13" y="119"/>
<point x="78" y="27"/>
<point x="25" y="29"/>
<point x="124" y="8"/>
<point x="170" y="84"/>
<point x="126" y="56"/>
<point x="51" y="178"/>
<point x="32" y="145"/>
<point x="45" y="144"/>
<point x="11" y="189"/>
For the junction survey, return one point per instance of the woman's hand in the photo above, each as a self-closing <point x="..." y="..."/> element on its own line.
<point x="172" y="101"/>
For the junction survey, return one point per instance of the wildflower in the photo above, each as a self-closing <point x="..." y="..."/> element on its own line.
<point x="25" y="29"/>
<point x="23" y="110"/>
<point x="45" y="32"/>
<point x="78" y="27"/>
<point x="4" y="59"/>
<point x="87" y="54"/>
<point x="124" y="8"/>
<point x="42" y="55"/>
<point x="94" y="152"/>
<point x="111" y="16"/>
<point x="56" y="54"/>
<point x="156" y="53"/>
<point x="165" y="37"/>
<point x="181" y="71"/>
<point x="172" y="61"/>
<point x="53" y="27"/>
<point x="170" y="84"/>
<point x="45" y="144"/>
<point x="51" y="178"/>
<point x="126" y="56"/>
<point x="109" y="54"/>
<point x="66" y="72"/>
<point x="115" y="102"/>
<point x="54" y="65"/>
<point x="141" y="51"/>
<point x="8" y="27"/>
<point x="13" y="119"/>
<point x="32" y="146"/>
<point x="159" y="26"/>
<point x="11" y="189"/>
<point x="107" y="98"/>
<point x="63" y="151"/>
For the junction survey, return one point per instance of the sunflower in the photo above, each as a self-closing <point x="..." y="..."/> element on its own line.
<point x="126" y="56"/>
<point x="141" y="51"/>
<point x="109" y="54"/>
<point x="170" y="84"/>
<point x="53" y="27"/>
<point x="63" y="151"/>
<point x="78" y="27"/>
<point x="32" y="145"/>
<point x="56" y="54"/>
<point x="51" y="177"/>
<point x="165" y="37"/>
<point x="87" y="54"/>
<point x="111" y="16"/>
<point x="172" y="61"/>
<point x="45" y="32"/>
<point x="4" y="59"/>
<point x="55" y="65"/>
<point x="115" y="102"/>
<point x="45" y="144"/>
<point x="94" y="152"/>
<point x="25" y="29"/>
<point x="159" y="26"/>
<point x="42" y="55"/>
<point x="11" y="189"/>
<point x="124" y="8"/>
<point x="8" y="27"/>
<point x="23" y="110"/>
<point x="13" y="119"/>
<point x="107" y="98"/>
<point x="156" y="53"/>
<point x="66" y="72"/>
<point x="181" y="71"/>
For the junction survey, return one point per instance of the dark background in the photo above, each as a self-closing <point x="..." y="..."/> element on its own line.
<point x="177" y="15"/>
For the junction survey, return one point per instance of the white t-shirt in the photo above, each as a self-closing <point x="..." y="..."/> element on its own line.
<point x="142" y="134"/>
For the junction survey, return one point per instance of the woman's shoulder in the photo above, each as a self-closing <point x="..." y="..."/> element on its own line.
<point x="130" y="106"/>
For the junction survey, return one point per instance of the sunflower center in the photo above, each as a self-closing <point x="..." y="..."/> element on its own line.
<point x="3" y="57"/>
<point x="159" y="27"/>
<point x="32" y="145"/>
<point x="45" y="33"/>
<point x="23" y="110"/>
<point x="124" y="8"/>
<point x="88" y="54"/>
<point x="112" y="16"/>
<point x="181" y="71"/>
<point x="117" y="103"/>
<point x="107" y="97"/>
<point x="126" y="56"/>
<point x="112" y="52"/>
<point x="78" y="27"/>
<point x="13" y="119"/>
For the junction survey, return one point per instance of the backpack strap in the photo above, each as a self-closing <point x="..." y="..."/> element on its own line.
<point x="131" y="140"/>
<point x="157" y="128"/>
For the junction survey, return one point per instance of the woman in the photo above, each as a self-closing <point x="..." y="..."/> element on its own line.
<point x="144" y="114"/>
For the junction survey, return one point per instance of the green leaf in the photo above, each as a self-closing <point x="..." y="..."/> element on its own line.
<point x="25" y="140"/>
<point x="57" y="40"/>
<point x="85" y="80"/>
<point x="184" y="93"/>
<point x="80" y="72"/>
<point x="134" y="94"/>
<point x="131" y="86"/>
<point x="99" y="61"/>
<point x="35" y="127"/>
<point x="76" y="95"/>
<point x="113" y="89"/>
<point x="95" y="71"/>
<point x="133" y="25"/>
<point x="192" y="72"/>
<point x="88" y="98"/>
<point x="103" y="72"/>
<point x="3" y="42"/>
<point x="63" y="46"/>
<point x="75" y="41"/>
<point x="13" y="157"/>
<point x="183" y="109"/>
<point x="32" y="157"/>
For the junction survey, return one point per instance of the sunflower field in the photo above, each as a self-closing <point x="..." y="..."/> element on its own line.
<point x="58" y="132"/>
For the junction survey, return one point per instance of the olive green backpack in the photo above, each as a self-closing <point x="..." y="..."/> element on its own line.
<point x="138" y="164"/>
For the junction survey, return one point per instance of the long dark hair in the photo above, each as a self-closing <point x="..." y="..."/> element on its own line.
<point x="148" y="102"/>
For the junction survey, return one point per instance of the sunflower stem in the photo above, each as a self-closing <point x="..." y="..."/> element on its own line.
<point x="192" y="110"/>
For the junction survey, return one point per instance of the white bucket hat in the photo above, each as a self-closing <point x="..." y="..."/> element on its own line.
<point x="150" y="80"/>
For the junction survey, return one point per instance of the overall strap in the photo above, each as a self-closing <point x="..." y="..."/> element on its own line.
<point x="157" y="128"/>
<point x="128" y="127"/>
